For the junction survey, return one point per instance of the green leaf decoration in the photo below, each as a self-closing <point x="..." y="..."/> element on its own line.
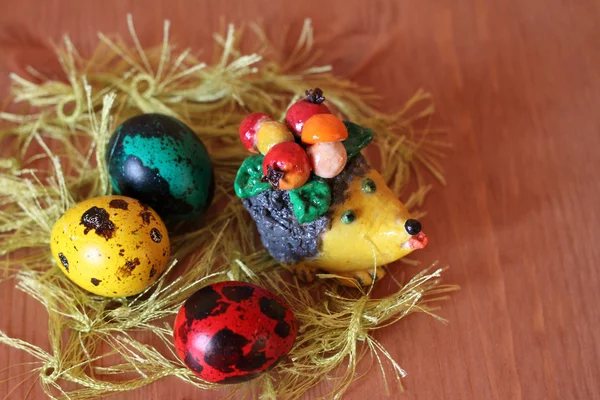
<point x="358" y="138"/>
<point x="247" y="181"/>
<point x="311" y="200"/>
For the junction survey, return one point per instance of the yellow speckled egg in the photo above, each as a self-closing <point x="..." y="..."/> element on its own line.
<point x="112" y="246"/>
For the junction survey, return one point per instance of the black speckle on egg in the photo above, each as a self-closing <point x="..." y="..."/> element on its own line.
<point x="282" y="329"/>
<point x="98" y="219"/>
<point x="256" y="358"/>
<point x="146" y="215"/>
<point x="225" y="350"/>
<point x="239" y="378"/>
<point x="126" y="270"/>
<point x="272" y="309"/>
<point x="237" y="293"/>
<point x="205" y="303"/>
<point x="155" y="235"/>
<point x="192" y="363"/>
<point x="64" y="261"/>
<point x="118" y="203"/>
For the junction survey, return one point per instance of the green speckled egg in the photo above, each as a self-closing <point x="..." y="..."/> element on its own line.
<point x="160" y="161"/>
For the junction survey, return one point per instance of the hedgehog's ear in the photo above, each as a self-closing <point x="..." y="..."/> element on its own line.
<point x="358" y="138"/>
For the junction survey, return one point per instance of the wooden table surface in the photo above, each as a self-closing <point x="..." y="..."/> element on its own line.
<point x="517" y="83"/>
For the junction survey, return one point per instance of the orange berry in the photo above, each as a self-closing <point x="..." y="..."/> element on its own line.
<point x="271" y="133"/>
<point x="322" y="128"/>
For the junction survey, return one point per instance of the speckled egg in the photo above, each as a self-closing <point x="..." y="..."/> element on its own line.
<point x="231" y="332"/>
<point x="112" y="246"/>
<point x="160" y="161"/>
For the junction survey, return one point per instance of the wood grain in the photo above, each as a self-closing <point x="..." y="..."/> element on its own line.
<point x="517" y="83"/>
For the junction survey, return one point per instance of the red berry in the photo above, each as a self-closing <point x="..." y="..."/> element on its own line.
<point x="302" y="110"/>
<point x="248" y="129"/>
<point x="286" y="166"/>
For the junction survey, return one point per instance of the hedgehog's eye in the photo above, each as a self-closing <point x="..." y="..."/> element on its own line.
<point x="348" y="217"/>
<point x="412" y="226"/>
<point x="368" y="186"/>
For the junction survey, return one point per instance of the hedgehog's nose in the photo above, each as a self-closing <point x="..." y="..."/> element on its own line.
<point x="418" y="241"/>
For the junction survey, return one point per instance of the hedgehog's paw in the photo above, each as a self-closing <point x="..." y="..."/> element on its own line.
<point x="363" y="277"/>
<point x="303" y="272"/>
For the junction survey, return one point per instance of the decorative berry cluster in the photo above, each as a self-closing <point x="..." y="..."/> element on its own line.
<point x="310" y="140"/>
<point x="298" y="156"/>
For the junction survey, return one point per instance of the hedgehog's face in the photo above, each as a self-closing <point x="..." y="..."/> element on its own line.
<point x="371" y="227"/>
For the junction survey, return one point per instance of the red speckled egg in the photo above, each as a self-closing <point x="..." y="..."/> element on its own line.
<point x="231" y="332"/>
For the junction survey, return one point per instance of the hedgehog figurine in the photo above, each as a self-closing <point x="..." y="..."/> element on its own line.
<point x="318" y="205"/>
